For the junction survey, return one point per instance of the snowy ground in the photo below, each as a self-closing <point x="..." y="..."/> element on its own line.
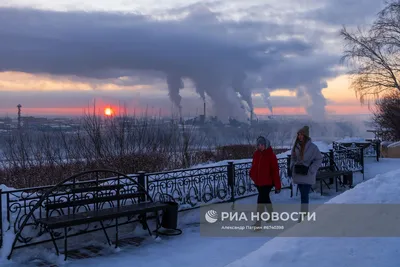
<point x="192" y="250"/>
<point x="366" y="252"/>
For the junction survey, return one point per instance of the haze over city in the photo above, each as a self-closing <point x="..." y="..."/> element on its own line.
<point x="58" y="56"/>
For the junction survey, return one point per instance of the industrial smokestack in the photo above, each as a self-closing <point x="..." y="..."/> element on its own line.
<point x="204" y="110"/>
<point x="19" y="115"/>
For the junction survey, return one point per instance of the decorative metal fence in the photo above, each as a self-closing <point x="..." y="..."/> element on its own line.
<point x="370" y="149"/>
<point x="191" y="188"/>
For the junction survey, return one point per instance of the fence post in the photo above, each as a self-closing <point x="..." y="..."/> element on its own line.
<point x="231" y="181"/>
<point x="331" y="163"/>
<point x="362" y="162"/>
<point x="378" y="149"/>
<point x="335" y="146"/>
<point x="142" y="183"/>
<point x="289" y="173"/>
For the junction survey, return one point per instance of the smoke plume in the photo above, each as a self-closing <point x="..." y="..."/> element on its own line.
<point x="227" y="61"/>
<point x="266" y="97"/>
<point x="175" y="84"/>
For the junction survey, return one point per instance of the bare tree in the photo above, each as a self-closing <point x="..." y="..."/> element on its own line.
<point x="387" y="115"/>
<point x="374" y="54"/>
<point x="34" y="157"/>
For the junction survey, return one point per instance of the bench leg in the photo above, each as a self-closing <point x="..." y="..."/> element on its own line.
<point x="351" y="181"/>
<point x="158" y="225"/>
<point x="53" y="239"/>
<point x="327" y="185"/>
<point x="147" y="226"/>
<point x="342" y="181"/>
<point x="65" y="244"/>
<point x="143" y="221"/>
<point x="336" y="184"/>
<point x="348" y="180"/>
<point x="116" y="233"/>
<point x="321" y="186"/>
<point x="105" y="232"/>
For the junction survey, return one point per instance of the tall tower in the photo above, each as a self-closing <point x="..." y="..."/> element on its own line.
<point x="180" y="115"/>
<point x="19" y="115"/>
<point x="204" y="110"/>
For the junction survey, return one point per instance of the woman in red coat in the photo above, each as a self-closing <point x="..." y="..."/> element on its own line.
<point x="265" y="174"/>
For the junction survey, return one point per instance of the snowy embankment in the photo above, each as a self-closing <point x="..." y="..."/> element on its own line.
<point x="366" y="252"/>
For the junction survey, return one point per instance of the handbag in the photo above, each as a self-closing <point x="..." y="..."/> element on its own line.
<point x="301" y="169"/>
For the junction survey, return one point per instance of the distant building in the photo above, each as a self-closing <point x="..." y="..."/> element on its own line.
<point x="33" y="122"/>
<point x="5" y="123"/>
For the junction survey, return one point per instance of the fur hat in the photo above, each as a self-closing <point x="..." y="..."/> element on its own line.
<point x="305" y="130"/>
<point x="261" y="140"/>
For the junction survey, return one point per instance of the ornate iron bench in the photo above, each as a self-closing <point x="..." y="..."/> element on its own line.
<point x="334" y="175"/>
<point x="73" y="203"/>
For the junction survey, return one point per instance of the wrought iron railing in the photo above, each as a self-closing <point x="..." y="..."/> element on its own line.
<point x="191" y="188"/>
<point x="370" y="149"/>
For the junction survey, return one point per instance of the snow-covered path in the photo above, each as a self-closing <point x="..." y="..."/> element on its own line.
<point x="192" y="250"/>
<point x="341" y="252"/>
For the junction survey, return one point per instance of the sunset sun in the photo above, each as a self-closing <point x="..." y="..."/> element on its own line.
<point x="108" y="112"/>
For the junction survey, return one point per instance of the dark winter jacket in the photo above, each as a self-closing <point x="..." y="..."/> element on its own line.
<point x="265" y="169"/>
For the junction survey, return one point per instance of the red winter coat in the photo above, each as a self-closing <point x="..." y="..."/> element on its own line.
<point x="265" y="169"/>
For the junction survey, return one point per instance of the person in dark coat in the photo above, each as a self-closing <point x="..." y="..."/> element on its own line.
<point x="265" y="174"/>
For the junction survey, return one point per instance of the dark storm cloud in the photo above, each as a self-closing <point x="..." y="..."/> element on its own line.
<point x="222" y="58"/>
<point x="93" y="44"/>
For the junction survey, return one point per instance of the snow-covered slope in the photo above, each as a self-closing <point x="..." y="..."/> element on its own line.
<point x="335" y="252"/>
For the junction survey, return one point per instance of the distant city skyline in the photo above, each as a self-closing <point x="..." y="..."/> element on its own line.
<point x="341" y="100"/>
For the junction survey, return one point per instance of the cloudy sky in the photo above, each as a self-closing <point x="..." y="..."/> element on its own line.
<point x="57" y="56"/>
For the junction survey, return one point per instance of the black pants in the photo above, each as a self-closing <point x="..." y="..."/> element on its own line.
<point x="263" y="200"/>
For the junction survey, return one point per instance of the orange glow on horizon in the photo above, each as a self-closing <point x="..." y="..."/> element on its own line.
<point x="337" y="92"/>
<point x="80" y="111"/>
<point x="280" y="111"/>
